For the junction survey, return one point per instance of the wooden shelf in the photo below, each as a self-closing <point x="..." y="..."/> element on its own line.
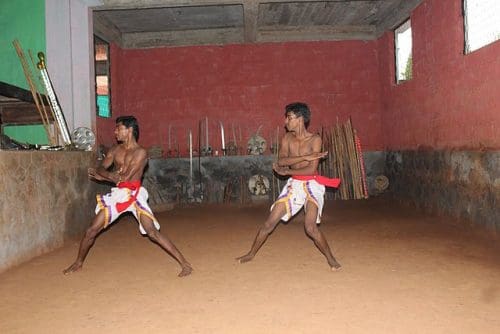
<point x="18" y="107"/>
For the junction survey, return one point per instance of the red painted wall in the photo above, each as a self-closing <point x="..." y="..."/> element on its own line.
<point x="453" y="99"/>
<point x="245" y="85"/>
<point x="451" y="102"/>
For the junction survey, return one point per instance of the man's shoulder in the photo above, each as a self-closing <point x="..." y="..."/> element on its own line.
<point x="315" y="136"/>
<point x="141" y="151"/>
<point x="115" y="148"/>
<point x="313" y="139"/>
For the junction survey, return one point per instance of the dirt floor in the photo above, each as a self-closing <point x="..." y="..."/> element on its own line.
<point x="402" y="272"/>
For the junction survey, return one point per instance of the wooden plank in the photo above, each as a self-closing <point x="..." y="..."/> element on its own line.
<point x="20" y="113"/>
<point x="15" y="92"/>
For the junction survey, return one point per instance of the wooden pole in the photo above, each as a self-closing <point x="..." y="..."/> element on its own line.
<point x="354" y="162"/>
<point x="357" y="178"/>
<point x="52" y="138"/>
<point x="362" y="163"/>
<point x="29" y="79"/>
<point x="199" y="159"/>
<point x="339" y="148"/>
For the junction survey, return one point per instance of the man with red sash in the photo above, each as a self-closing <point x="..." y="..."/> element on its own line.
<point x="129" y="160"/>
<point x="299" y="156"/>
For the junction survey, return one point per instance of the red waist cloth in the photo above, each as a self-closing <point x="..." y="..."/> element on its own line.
<point x="326" y="181"/>
<point x="132" y="185"/>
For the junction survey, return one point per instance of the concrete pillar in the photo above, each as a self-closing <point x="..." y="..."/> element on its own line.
<point x="70" y="59"/>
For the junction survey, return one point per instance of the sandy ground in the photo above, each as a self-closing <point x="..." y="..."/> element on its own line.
<point x="402" y="273"/>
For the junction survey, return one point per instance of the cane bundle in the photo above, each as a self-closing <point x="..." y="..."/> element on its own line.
<point x="35" y="92"/>
<point x="345" y="161"/>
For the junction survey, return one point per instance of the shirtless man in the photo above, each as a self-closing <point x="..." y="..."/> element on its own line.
<point x="129" y="160"/>
<point x="299" y="157"/>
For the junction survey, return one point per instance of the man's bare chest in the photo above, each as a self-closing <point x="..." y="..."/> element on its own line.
<point x="300" y="147"/>
<point x="123" y="158"/>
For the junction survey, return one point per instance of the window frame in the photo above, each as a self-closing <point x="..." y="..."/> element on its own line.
<point x="397" y="31"/>
<point x="467" y="37"/>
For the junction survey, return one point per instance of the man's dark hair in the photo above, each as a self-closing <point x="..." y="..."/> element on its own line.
<point x="129" y="122"/>
<point x="299" y="109"/>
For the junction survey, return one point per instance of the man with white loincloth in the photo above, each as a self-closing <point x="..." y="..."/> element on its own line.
<point x="299" y="156"/>
<point x="129" y="160"/>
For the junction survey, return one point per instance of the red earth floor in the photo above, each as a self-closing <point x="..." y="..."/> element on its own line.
<point x="402" y="272"/>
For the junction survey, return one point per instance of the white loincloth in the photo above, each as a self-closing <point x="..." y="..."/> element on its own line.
<point x="118" y="195"/>
<point x="297" y="194"/>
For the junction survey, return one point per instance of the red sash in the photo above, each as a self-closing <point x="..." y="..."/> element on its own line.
<point x="326" y="181"/>
<point x="132" y="185"/>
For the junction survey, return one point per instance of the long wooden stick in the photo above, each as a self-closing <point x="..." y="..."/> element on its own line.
<point x="351" y="159"/>
<point x="347" y="164"/>
<point x="332" y="160"/>
<point x="277" y="159"/>
<point x="340" y="161"/>
<point x="46" y="115"/>
<point x="29" y="79"/>
<point x="356" y="161"/>
<point x="199" y="159"/>
<point x="242" y="189"/>
<point x="362" y="163"/>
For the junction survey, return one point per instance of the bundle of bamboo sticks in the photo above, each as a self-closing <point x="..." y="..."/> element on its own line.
<point x="345" y="160"/>
<point x="41" y="102"/>
<point x="47" y="105"/>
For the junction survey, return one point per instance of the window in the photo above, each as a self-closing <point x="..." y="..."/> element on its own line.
<point x="102" y="77"/>
<point x="482" y="23"/>
<point x="403" y="46"/>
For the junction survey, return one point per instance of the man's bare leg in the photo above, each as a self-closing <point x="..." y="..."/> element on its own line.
<point x="319" y="239"/>
<point x="87" y="241"/>
<point x="269" y="225"/>
<point x="166" y="244"/>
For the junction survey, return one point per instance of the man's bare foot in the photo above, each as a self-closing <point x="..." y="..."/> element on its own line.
<point x="73" y="268"/>
<point x="334" y="265"/>
<point x="186" y="270"/>
<point x="245" y="258"/>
